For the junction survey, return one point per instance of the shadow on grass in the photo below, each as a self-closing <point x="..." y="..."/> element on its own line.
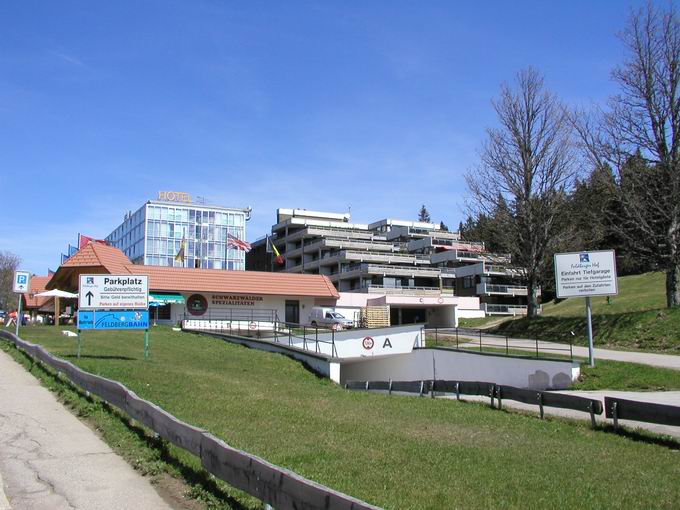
<point x="642" y="436"/>
<point x="195" y="478"/>
<point x="192" y="476"/>
<point x="102" y="356"/>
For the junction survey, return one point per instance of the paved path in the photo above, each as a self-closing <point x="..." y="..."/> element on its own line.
<point x="659" y="397"/>
<point x="51" y="460"/>
<point x="546" y="348"/>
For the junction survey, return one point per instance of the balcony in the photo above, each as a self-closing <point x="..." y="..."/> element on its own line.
<point x="364" y="256"/>
<point x="407" y="291"/>
<point x="504" y="309"/>
<point x="385" y="270"/>
<point x="505" y="290"/>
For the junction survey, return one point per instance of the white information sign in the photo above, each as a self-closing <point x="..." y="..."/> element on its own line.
<point x="586" y="273"/>
<point x="22" y="281"/>
<point x="111" y="291"/>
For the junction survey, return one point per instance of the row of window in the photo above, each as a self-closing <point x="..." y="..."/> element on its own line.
<point x="202" y="249"/>
<point x="205" y="232"/>
<point x="192" y="215"/>
<point x="156" y="260"/>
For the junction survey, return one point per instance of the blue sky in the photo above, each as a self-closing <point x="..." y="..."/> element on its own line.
<point x="380" y="106"/>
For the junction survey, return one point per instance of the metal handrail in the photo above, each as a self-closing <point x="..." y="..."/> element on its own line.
<point x="473" y="339"/>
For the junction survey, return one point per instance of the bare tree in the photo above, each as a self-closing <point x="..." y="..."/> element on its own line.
<point x="638" y="135"/>
<point x="527" y="165"/>
<point x="9" y="262"/>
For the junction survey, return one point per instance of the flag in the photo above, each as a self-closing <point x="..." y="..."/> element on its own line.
<point x="72" y="250"/>
<point x="180" y="254"/>
<point x="49" y="272"/>
<point x="83" y="241"/>
<point x="238" y="243"/>
<point x="279" y="258"/>
<point x="64" y="258"/>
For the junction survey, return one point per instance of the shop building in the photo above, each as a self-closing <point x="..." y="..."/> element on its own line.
<point x="190" y="293"/>
<point x="153" y="234"/>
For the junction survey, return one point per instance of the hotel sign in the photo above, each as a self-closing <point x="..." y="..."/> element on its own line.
<point x="586" y="273"/>
<point x="174" y="196"/>
<point x="110" y="291"/>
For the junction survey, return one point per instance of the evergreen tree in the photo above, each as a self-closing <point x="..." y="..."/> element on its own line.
<point x="424" y="214"/>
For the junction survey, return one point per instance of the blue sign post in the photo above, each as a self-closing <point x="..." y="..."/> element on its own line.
<point x="117" y="320"/>
<point x="113" y="319"/>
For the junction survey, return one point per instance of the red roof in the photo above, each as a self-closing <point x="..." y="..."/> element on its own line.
<point x="99" y="255"/>
<point x="237" y="282"/>
<point x="101" y="258"/>
<point x="38" y="284"/>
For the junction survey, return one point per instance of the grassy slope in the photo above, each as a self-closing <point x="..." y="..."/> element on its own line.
<point x="635" y="319"/>
<point x="606" y="375"/>
<point x="398" y="452"/>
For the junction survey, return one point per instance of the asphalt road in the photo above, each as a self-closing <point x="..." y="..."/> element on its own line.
<point x="50" y="460"/>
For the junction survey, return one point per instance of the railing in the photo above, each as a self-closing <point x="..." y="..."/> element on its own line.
<point x="235" y="314"/>
<point x="614" y="408"/>
<point x="316" y="339"/>
<point x="468" y="339"/>
<point x="511" y="290"/>
<point x="271" y="484"/>
<point x="494" y="391"/>
<point x="415" y="291"/>
<point x="505" y="309"/>
<point x="493" y="268"/>
<point x="396" y="269"/>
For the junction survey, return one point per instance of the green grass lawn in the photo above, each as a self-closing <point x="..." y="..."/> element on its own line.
<point x="397" y="452"/>
<point x="635" y="319"/>
<point x="606" y="375"/>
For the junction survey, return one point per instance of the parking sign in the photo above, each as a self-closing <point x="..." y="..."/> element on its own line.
<point x="22" y="281"/>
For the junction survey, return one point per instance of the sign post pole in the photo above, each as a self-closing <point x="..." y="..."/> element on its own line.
<point x="78" y="353"/>
<point x="19" y="317"/>
<point x="20" y="285"/>
<point x="586" y="274"/>
<point x="146" y="344"/>
<point x="591" y="349"/>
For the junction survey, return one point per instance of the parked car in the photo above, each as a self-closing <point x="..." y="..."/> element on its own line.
<point x="328" y="317"/>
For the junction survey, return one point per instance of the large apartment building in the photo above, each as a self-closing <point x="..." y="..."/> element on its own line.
<point x="389" y="257"/>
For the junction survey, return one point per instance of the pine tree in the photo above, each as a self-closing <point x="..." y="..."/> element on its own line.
<point x="424" y="215"/>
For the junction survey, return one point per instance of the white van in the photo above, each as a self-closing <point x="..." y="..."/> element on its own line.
<point x="328" y="317"/>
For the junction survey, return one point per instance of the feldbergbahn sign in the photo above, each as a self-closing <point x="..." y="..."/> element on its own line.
<point x="586" y="273"/>
<point x="113" y="292"/>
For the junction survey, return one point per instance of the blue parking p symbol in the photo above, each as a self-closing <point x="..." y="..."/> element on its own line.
<point x="21" y="279"/>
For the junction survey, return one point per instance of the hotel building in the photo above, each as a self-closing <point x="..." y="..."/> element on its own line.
<point x="153" y="234"/>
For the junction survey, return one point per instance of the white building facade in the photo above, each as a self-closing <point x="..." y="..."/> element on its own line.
<point x="153" y="234"/>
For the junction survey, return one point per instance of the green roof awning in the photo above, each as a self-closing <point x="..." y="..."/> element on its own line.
<point x="166" y="299"/>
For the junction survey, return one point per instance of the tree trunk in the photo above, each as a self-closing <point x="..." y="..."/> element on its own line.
<point x="532" y="298"/>
<point x="673" y="285"/>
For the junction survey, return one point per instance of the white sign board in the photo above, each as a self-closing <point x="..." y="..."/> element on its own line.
<point x="111" y="291"/>
<point x="22" y="282"/>
<point x="586" y="273"/>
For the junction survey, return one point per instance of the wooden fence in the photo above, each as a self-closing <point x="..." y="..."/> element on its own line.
<point x="275" y="486"/>
<point x="494" y="391"/>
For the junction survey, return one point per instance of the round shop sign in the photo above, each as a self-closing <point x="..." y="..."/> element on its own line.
<point x="368" y="343"/>
<point x="197" y="304"/>
<point x="252" y="325"/>
<point x="440" y="300"/>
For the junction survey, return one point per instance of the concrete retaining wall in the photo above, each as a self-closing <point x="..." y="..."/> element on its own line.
<point x="439" y="363"/>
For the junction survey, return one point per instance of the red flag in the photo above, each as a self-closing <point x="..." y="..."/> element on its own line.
<point x="238" y="243"/>
<point x="83" y="241"/>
